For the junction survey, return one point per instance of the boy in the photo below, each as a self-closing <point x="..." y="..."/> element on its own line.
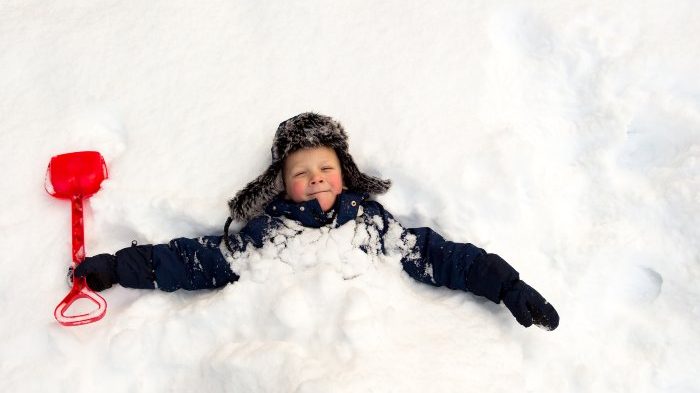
<point x="314" y="182"/>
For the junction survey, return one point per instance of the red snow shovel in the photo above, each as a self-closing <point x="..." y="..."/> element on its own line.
<point x="76" y="176"/>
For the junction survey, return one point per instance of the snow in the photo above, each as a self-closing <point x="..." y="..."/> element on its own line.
<point x="563" y="136"/>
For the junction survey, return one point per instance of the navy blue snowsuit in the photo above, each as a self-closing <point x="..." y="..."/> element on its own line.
<point x="200" y="263"/>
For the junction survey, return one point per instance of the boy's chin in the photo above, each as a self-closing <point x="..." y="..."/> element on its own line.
<point x="326" y="202"/>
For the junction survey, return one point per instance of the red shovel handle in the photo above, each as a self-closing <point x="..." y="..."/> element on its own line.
<point x="80" y="290"/>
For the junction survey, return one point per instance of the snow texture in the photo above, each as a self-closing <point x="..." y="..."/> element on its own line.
<point x="564" y="136"/>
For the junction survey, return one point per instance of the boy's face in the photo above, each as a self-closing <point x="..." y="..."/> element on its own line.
<point x="313" y="173"/>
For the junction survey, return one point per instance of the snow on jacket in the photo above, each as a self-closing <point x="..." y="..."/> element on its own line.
<point x="205" y="262"/>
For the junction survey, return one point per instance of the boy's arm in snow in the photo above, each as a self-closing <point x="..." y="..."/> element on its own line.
<point x="182" y="263"/>
<point x="429" y="258"/>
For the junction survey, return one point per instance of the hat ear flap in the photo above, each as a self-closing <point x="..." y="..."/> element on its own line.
<point x="251" y="200"/>
<point x="358" y="181"/>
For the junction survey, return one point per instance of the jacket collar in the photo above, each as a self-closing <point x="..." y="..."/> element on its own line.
<point x="309" y="213"/>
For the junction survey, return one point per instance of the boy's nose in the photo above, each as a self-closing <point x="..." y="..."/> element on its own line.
<point x="316" y="178"/>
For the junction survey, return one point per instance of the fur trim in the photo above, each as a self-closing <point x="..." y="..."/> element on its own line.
<point x="253" y="198"/>
<point x="303" y="131"/>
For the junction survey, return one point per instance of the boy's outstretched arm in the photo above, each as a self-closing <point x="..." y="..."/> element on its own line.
<point x="182" y="263"/>
<point x="439" y="262"/>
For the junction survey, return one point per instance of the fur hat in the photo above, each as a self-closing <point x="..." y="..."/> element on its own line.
<point x="302" y="131"/>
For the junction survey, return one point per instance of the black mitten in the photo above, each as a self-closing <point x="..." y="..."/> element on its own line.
<point x="529" y="307"/>
<point x="99" y="271"/>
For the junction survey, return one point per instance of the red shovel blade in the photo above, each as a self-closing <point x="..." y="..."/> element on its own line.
<point x="76" y="176"/>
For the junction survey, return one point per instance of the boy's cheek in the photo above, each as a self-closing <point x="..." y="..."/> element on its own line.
<point x="337" y="184"/>
<point x="296" y="191"/>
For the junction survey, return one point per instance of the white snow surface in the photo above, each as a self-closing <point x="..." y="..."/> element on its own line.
<point x="564" y="136"/>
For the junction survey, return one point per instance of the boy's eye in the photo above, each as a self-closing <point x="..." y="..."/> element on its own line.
<point x="327" y="168"/>
<point x="299" y="174"/>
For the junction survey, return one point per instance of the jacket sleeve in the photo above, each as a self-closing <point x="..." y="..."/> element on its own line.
<point x="185" y="263"/>
<point x="429" y="258"/>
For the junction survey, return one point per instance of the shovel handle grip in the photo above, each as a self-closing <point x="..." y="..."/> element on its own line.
<point x="80" y="290"/>
<point x="78" y="231"/>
